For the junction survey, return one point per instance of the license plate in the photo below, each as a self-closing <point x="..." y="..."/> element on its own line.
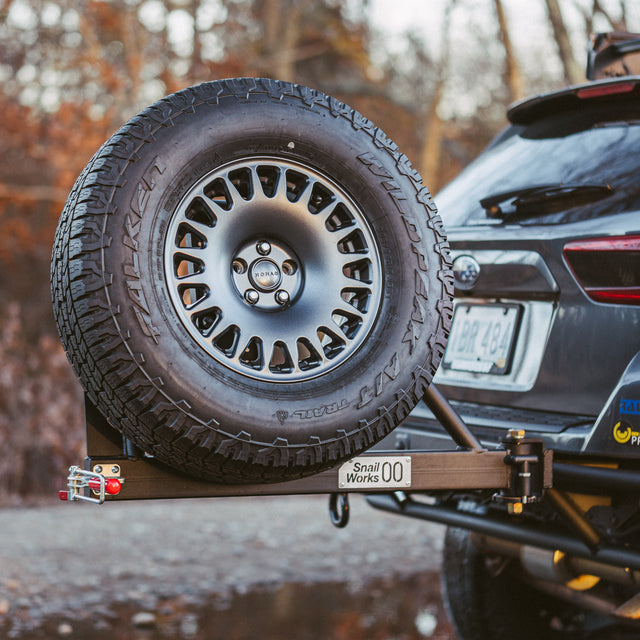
<point x="376" y="472"/>
<point x="482" y="338"/>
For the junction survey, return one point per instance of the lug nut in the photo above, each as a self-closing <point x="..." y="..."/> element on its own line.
<point x="251" y="296"/>
<point x="239" y="266"/>
<point x="289" y="267"/>
<point x="263" y="248"/>
<point x="282" y="297"/>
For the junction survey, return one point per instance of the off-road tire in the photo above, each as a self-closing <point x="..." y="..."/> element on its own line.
<point x="488" y="600"/>
<point x="223" y="410"/>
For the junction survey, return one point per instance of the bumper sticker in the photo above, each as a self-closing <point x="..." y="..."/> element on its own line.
<point x="630" y="407"/>
<point x="623" y="434"/>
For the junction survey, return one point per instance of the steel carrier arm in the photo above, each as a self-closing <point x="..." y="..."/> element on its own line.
<point x="518" y="473"/>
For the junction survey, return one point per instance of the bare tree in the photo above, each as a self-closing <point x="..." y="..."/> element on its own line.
<point x="431" y="152"/>
<point x="619" y="24"/>
<point x="573" y="74"/>
<point x="596" y="8"/>
<point x="282" y="22"/>
<point x="514" y="77"/>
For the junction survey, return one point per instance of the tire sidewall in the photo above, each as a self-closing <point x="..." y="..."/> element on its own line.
<point x="157" y="178"/>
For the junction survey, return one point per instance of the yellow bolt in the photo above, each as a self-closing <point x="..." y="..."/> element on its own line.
<point x="514" y="508"/>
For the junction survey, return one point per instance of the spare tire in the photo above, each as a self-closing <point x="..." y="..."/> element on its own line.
<point x="251" y="282"/>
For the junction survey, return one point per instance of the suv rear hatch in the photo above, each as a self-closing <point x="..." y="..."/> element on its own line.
<point x="545" y="236"/>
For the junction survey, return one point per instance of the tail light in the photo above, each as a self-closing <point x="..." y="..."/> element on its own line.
<point x="607" y="269"/>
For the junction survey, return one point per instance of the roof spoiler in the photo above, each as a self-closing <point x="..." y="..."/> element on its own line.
<point x="613" y="54"/>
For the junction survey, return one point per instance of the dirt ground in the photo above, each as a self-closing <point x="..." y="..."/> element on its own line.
<point x="71" y="567"/>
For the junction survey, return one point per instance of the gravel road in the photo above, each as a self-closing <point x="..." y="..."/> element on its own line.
<point x="75" y="560"/>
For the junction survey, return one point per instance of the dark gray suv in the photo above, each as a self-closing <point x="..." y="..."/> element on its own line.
<point x="545" y="236"/>
<point x="544" y="228"/>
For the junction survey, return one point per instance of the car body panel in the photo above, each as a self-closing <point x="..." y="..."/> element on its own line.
<point x="571" y="353"/>
<point x="617" y="430"/>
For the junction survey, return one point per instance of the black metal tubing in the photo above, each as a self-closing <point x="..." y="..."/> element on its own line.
<point x="525" y="534"/>
<point x="574" y="516"/>
<point x="450" y="420"/>
<point x="599" y="480"/>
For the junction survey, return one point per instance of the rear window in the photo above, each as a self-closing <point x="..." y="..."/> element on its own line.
<point x="550" y="152"/>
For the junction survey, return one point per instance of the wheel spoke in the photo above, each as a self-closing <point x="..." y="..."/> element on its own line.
<point x="199" y="227"/>
<point x="196" y="279"/>
<point x="216" y="209"/>
<point x="345" y="309"/>
<point x="196" y="254"/>
<point x="317" y="345"/>
<point x="192" y="298"/>
<point x="305" y="197"/>
<point x="256" y="185"/>
<point x="281" y="188"/>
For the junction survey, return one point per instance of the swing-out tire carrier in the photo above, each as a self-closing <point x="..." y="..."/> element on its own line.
<point x="114" y="470"/>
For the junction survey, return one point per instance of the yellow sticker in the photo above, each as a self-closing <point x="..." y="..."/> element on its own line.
<point x="622" y="434"/>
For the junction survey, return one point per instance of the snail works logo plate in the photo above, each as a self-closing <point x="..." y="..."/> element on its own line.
<point x="376" y="472"/>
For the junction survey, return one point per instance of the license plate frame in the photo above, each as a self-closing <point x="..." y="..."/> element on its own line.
<point x="483" y="338"/>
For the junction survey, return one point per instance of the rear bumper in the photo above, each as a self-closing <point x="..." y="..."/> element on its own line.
<point x="564" y="433"/>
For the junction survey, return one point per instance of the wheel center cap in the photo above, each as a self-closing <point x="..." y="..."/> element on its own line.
<point x="265" y="274"/>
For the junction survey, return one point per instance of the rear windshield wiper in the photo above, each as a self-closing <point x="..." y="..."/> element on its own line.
<point x="530" y="202"/>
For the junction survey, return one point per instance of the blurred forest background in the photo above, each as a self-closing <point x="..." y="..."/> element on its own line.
<point x="436" y="75"/>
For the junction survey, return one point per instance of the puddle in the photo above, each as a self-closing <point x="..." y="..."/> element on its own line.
<point x="407" y="608"/>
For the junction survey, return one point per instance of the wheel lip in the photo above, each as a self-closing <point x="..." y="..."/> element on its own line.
<point x="367" y="319"/>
